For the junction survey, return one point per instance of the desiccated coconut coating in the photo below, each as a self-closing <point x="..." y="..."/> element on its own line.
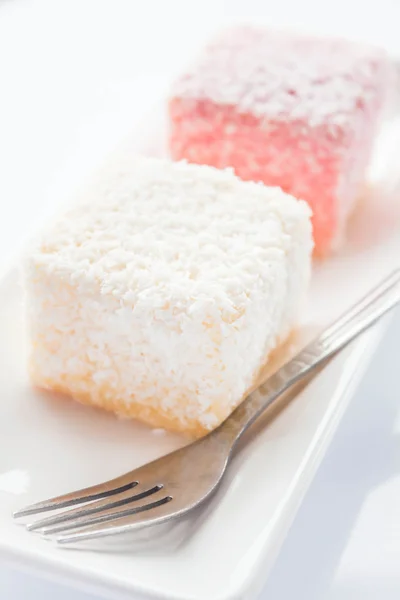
<point x="162" y="292"/>
<point x="288" y="110"/>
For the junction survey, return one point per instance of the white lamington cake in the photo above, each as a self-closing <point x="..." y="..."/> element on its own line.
<point x="163" y="291"/>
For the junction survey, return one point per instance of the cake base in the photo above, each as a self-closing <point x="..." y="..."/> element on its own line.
<point x="155" y="415"/>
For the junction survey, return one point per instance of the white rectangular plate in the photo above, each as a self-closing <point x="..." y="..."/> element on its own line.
<point x="225" y="551"/>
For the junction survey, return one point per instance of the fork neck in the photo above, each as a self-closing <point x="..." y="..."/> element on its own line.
<point x="248" y="411"/>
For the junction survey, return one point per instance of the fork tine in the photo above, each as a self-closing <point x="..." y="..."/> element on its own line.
<point x="151" y="514"/>
<point x="96" y="492"/>
<point x="100" y="506"/>
<point x="103" y="517"/>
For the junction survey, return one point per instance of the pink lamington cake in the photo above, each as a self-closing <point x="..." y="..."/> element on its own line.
<point x="288" y="110"/>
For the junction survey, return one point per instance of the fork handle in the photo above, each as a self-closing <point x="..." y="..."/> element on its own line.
<point x="352" y="323"/>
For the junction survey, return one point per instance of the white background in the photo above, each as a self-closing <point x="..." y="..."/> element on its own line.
<point x="73" y="70"/>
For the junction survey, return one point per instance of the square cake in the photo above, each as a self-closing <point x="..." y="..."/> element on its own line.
<point x="163" y="290"/>
<point x="288" y="110"/>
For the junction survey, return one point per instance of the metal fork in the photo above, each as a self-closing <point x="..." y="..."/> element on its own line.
<point x="178" y="482"/>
